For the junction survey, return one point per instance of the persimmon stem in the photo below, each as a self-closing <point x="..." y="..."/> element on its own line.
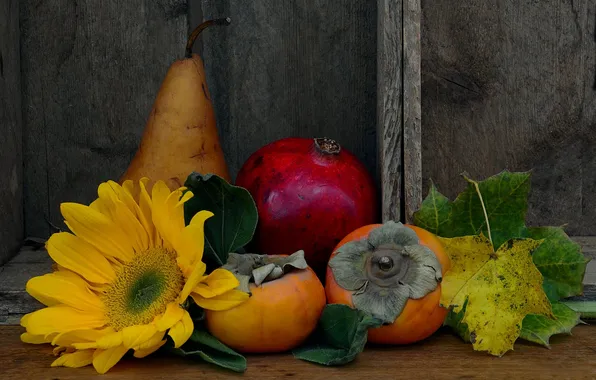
<point x="195" y="33"/>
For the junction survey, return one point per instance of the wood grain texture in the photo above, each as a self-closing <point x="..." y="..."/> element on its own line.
<point x="11" y="142"/>
<point x="91" y="72"/>
<point x="412" y="146"/>
<point x="443" y="356"/>
<point x="292" y="68"/>
<point x="33" y="260"/>
<point x="390" y="111"/>
<point x="511" y="85"/>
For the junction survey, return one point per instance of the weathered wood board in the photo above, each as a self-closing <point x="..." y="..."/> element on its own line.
<point x="512" y="85"/>
<point x="390" y="105"/>
<point x="11" y="146"/>
<point x="91" y="72"/>
<point x="292" y="68"/>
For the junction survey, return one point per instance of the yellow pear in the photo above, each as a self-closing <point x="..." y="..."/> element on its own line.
<point x="181" y="134"/>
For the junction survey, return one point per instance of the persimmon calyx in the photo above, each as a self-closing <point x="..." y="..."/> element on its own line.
<point x="385" y="270"/>
<point x="255" y="268"/>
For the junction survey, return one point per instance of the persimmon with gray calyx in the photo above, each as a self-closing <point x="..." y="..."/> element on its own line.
<point x="285" y="304"/>
<point x="393" y="272"/>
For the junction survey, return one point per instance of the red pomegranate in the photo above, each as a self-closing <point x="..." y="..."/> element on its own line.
<point x="310" y="193"/>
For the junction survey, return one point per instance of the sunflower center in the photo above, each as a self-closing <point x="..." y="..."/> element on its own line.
<point x="143" y="288"/>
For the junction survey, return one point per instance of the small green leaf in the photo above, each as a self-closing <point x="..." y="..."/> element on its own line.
<point x="434" y="213"/>
<point x="505" y="199"/>
<point x="561" y="262"/>
<point x="340" y="336"/>
<point x="204" y="346"/>
<point x="235" y="215"/>
<point x="539" y="329"/>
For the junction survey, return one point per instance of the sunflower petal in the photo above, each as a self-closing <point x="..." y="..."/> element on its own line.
<point x="61" y="318"/>
<point x="146" y="204"/>
<point x="170" y="317"/>
<point x="134" y="336"/>
<point x="103" y="360"/>
<point x="77" y="255"/>
<point x="63" y="289"/>
<point x="216" y="283"/>
<point x="131" y="197"/>
<point x="74" y="360"/>
<point x="35" y="339"/>
<point x="222" y="302"/>
<point x="98" y="230"/>
<point x="95" y="287"/>
<point x="143" y="352"/>
<point x="80" y="336"/>
<point x="195" y="277"/>
<point x="121" y="214"/>
<point x="155" y="340"/>
<point x="182" y="330"/>
<point x="110" y="340"/>
<point x="168" y="214"/>
<point x="192" y="240"/>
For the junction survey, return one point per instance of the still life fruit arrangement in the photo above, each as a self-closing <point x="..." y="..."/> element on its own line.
<point x="291" y="257"/>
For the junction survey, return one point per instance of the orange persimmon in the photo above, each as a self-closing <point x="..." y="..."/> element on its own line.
<point x="280" y="313"/>
<point x="420" y="316"/>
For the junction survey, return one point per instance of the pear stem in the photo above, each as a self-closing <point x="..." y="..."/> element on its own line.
<point x="195" y="33"/>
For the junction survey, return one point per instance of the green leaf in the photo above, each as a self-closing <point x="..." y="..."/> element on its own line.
<point x="561" y="262"/>
<point x="434" y="214"/>
<point x="539" y="329"/>
<point x="235" y="215"/>
<point x="505" y="199"/>
<point x="558" y="258"/>
<point x="585" y="308"/>
<point x="340" y="336"/>
<point x="204" y="346"/>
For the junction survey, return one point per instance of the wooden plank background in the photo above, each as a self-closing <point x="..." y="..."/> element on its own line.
<point x="91" y="72"/>
<point x="11" y="159"/>
<point x="390" y="107"/>
<point x="293" y="68"/>
<point x="512" y="84"/>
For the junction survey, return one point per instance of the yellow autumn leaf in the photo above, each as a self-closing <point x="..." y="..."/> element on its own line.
<point x="500" y="287"/>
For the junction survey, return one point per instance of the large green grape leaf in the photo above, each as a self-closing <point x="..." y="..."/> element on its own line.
<point x="503" y="204"/>
<point x="496" y="207"/>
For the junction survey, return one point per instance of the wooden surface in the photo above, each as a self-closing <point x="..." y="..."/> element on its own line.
<point x="33" y="260"/>
<point x="390" y="107"/>
<point x="91" y="72"/>
<point x="512" y="85"/>
<point x="11" y="146"/>
<point x="412" y="146"/>
<point x="292" y="68"/>
<point x="442" y="356"/>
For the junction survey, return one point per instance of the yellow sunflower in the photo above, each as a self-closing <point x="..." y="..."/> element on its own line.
<point x="122" y="275"/>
